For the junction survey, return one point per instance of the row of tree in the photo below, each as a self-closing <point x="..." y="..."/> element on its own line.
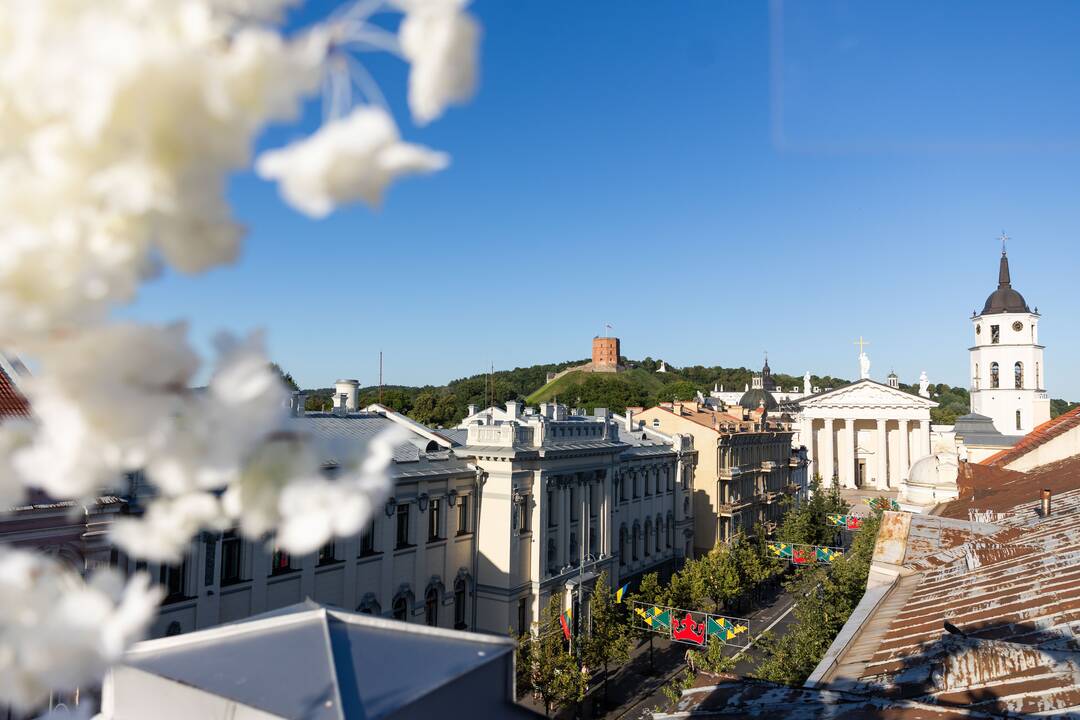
<point x="724" y="581"/>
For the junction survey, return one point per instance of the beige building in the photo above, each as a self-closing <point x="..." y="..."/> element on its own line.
<point x="746" y="465"/>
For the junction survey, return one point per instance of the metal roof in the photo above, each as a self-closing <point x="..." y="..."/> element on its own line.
<point x="308" y="661"/>
<point x="982" y="621"/>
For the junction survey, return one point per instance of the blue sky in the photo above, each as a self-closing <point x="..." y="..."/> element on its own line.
<point x="715" y="179"/>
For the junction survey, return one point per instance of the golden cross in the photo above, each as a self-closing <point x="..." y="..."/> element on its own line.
<point x="860" y="343"/>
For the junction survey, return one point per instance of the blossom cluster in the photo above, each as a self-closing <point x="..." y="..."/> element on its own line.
<point x="120" y="122"/>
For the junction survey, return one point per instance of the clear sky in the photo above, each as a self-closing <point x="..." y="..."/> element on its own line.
<point x="714" y="179"/>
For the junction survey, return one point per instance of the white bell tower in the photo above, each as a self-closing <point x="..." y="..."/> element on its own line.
<point x="1008" y="376"/>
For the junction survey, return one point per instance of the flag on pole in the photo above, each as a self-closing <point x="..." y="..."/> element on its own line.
<point x="620" y="592"/>
<point x="564" y="620"/>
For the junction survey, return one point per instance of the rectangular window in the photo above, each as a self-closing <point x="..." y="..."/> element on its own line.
<point x="995" y="334"/>
<point x="434" y="520"/>
<point x="463" y="515"/>
<point x="328" y="553"/>
<point x="367" y="540"/>
<point x="523" y="515"/>
<point x="232" y="547"/>
<point x="403" y="525"/>
<point x="173" y="578"/>
<point x="280" y="562"/>
<point x="552" y="514"/>
<point x="523" y="615"/>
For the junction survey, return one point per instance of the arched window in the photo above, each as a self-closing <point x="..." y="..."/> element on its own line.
<point x="622" y="488"/>
<point x="670" y="531"/>
<point x="659" y="533"/>
<point x="369" y="605"/>
<point x="994" y="379"/>
<point x="459" y="604"/>
<point x="1017" y="419"/>
<point x="552" y="562"/>
<point x="1018" y="375"/>
<point x="622" y="545"/>
<point x="634" y="540"/>
<point x="431" y="606"/>
<point x="401" y="608"/>
<point x="648" y="534"/>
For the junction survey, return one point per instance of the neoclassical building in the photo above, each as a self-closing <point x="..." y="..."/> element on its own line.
<point x="866" y="434"/>
<point x="484" y="523"/>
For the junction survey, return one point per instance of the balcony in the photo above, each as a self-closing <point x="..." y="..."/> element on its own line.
<point x="733" y="507"/>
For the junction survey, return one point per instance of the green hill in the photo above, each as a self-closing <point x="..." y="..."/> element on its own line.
<point x="614" y="390"/>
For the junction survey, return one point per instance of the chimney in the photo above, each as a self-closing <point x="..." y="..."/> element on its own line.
<point x="629" y="420"/>
<point x="676" y="407"/>
<point x="472" y="410"/>
<point x="1046" y="502"/>
<point x="513" y="409"/>
<point x="342" y="404"/>
<point x="349" y="388"/>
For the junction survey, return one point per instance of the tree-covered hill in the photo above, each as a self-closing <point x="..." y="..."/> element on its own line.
<point x="640" y="384"/>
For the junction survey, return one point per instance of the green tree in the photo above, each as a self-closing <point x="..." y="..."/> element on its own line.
<point x="286" y="378"/>
<point x="554" y="674"/>
<point x="714" y="578"/>
<point x="826" y="597"/>
<point x="650" y="592"/>
<point x="609" y="641"/>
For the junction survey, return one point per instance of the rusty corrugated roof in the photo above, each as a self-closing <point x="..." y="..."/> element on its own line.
<point x="12" y="403"/>
<point x="1009" y="590"/>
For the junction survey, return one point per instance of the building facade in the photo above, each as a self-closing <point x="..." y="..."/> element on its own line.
<point x="745" y="468"/>
<point x="484" y="524"/>
<point x="1008" y="374"/>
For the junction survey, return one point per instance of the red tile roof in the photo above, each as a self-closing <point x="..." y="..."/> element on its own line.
<point x="12" y="403"/>
<point x="1039" y="436"/>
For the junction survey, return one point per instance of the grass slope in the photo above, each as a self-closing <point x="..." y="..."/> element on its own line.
<point x="568" y="386"/>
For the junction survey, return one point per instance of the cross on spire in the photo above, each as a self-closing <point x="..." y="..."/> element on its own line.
<point x="1004" y="238"/>
<point x="860" y="342"/>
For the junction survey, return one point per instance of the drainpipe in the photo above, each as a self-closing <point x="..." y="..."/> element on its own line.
<point x="478" y="486"/>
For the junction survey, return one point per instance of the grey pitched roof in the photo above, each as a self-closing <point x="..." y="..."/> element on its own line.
<point x="978" y="429"/>
<point x="308" y="661"/>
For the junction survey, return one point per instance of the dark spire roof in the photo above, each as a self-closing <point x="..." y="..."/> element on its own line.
<point x="1005" y="299"/>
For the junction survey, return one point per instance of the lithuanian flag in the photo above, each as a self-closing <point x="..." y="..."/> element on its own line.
<point x="564" y="620"/>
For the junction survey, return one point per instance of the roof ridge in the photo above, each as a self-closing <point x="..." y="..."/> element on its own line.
<point x="1039" y="436"/>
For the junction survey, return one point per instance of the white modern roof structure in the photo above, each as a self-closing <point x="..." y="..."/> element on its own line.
<point x="313" y="662"/>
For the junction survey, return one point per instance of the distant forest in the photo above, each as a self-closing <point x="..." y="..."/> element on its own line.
<point x="446" y="405"/>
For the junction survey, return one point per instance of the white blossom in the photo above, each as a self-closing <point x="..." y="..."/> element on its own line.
<point x="217" y="429"/>
<point x="58" y="632"/>
<point x="119" y="121"/>
<point x="106" y="400"/>
<point x="348" y="159"/>
<point x="441" y="41"/>
<point x="164" y="532"/>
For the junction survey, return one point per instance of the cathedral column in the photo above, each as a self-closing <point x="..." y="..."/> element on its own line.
<point x="807" y="437"/>
<point x="924" y="437"/>
<point x="826" y="471"/>
<point x="882" y="456"/>
<point x="903" y="453"/>
<point x="847" y="454"/>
